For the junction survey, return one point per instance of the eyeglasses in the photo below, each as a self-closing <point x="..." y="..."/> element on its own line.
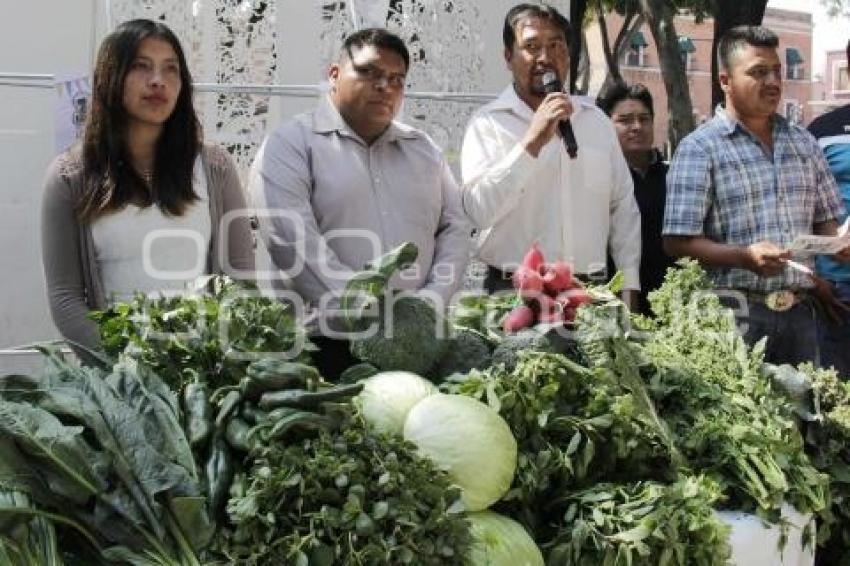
<point x="644" y="119"/>
<point x="376" y="76"/>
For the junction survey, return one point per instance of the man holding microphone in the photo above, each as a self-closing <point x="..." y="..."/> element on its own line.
<point x="521" y="183"/>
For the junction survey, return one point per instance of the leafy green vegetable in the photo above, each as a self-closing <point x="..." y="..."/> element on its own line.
<point x="723" y="410"/>
<point x="828" y="446"/>
<point x="467" y="439"/>
<point x="643" y="523"/>
<point x="105" y="453"/>
<point x="387" y="398"/>
<point x="500" y="541"/>
<point x="574" y="427"/>
<point x="352" y="497"/>
<point x="210" y="336"/>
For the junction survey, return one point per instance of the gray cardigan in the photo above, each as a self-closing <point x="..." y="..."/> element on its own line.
<point x="74" y="285"/>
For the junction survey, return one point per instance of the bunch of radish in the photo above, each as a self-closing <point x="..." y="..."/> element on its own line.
<point x="550" y="294"/>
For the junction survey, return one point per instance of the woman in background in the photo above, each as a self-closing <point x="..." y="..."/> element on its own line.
<point x="139" y="205"/>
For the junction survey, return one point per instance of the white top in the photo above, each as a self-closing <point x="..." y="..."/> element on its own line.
<point x="575" y="208"/>
<point x="144" y="250"/>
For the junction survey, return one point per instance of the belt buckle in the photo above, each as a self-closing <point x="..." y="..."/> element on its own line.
<point x="780" y="301"/>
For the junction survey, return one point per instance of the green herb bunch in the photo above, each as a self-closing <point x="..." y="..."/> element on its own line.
<point x="574" y="427"/>
<point x="349" y="497"/>
<point x="643" y="523"/>
<point x="211" y="335"/>
<point x="828" y="445"/>
<point x="723" y="411"/>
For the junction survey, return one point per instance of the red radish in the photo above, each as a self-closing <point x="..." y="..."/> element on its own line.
<point x="545" y="303"/>
<point x="527" y="281"/>
<point x="574" y="298"/>
<point x="557" y="277"/>
<point x="551" y="317"/>
<point x="533" y="258"/>
<point x="520" y="317"/>
<point x="569" y="314"/>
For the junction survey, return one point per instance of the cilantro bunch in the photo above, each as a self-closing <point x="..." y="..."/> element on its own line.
<point x="723" y="411"/>
<point x="350" y="497"/>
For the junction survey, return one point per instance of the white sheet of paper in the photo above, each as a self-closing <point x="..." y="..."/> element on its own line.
<point x="810" y="244"/>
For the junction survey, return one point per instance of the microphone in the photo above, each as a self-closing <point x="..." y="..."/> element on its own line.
<point x="552" y="84"/>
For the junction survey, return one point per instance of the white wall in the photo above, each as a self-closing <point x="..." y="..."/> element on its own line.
<point x="60" y="36"/>
<point x="36" y="36"/>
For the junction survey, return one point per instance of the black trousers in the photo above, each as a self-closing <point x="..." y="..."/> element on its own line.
<point x="333" y="357"/>
<point x="498" y="280"/>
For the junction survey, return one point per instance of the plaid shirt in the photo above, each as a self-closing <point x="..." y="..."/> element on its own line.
<point x="724" y="185"/>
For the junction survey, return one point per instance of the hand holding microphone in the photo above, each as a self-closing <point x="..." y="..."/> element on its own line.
<point x="552" y="84"/>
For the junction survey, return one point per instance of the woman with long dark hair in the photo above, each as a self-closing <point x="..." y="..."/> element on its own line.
<point x="141" y="204"/>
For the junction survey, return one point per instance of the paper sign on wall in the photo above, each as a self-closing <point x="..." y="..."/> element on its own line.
<point x="73" y="92"/>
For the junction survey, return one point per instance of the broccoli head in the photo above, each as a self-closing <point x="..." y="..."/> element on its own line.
<point x="531" y="339"/>
<point x="467" y="350"/>
<point x="412" y="339"/>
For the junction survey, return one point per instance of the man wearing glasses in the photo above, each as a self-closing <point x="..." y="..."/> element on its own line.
<point x="344" y="183"/>
<point x="742" y="187"/>
<point x="520" y="183"/>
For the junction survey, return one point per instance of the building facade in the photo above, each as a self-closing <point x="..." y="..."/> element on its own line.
<point x="833" y="90"/>
<point x="639" y="63"/>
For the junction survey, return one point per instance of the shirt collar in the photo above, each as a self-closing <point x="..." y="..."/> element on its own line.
<point x="327" y="119"/>
<point x="728" y="124"/>
<point x="509" y="100"/>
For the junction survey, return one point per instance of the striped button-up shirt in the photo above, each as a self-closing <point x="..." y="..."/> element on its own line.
<point x="724" y="184"/>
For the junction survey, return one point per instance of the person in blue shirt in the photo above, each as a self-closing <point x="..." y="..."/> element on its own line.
<point x="832" y="131"/>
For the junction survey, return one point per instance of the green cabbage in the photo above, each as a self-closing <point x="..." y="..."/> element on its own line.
<point x="500" y="541"/>
<point x="470" y="441"/>
<point x="387" y="397"/>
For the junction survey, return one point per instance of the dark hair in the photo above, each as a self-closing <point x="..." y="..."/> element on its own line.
<point x="740" y="36"/>
<point x="620" y="92"/>
<point x="542" y="11"/>
<point x="848" y="52"/>
<point x="111" y="181"/>
<point x="377" y="37"/>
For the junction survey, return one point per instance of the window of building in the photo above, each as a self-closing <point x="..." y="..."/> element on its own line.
<point x="636" y="54"/>
<point x="687" y="50"/>
<point x="841" y="79"/>
<point x="794" y="69"/>
<point x="793" y="111"/>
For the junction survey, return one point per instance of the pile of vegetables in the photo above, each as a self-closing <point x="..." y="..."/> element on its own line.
<point x="577" y="434"/>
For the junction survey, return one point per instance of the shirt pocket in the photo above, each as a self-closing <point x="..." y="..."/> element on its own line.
<point x="597" y="175"/>
<point x="798" y="181"/>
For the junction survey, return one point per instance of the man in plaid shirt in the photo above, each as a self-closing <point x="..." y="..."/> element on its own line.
<point x="742" y="187"/>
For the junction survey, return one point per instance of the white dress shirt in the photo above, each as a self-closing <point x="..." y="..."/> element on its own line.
<point x="575" y="208"/>
<point x="328" y="203"/>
